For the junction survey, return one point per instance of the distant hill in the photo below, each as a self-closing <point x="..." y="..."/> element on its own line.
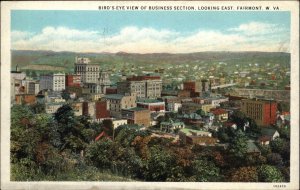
<point x="27" y="59"/>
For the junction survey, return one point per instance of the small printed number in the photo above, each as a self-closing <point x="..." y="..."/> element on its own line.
<point x="279" y="186"/>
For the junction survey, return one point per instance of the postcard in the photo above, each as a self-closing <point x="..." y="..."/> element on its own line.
<point x="150" y="95"/>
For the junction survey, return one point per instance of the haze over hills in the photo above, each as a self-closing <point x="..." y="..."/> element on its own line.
<point x="58" y="61"/>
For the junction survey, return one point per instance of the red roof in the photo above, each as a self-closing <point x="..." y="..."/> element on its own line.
<point x="218" y="111"/>
<point x="101" y="135"/>
<point x="229" y="124"/>
<point x="264" y="138"/>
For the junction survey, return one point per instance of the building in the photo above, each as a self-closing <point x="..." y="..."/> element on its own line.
<point x="152" y="105"/>
<point x="88" y="109"/>
<point x="252" y="148"/>
<point x="101" y="111"/>
<point x="51" y="108"/>
<point x="17" y="74"/>
<point x="139" y="116"/>
<point x="190" y="136"/>
<point x="89" y="72"/>
<point x="220" y="114"/>
<point x="262" y="111"/>
<point x="92" y="88"/>
<point x="33" y="88"/>
<point x="118" y="122"/>
<point x="73" y="80"/>
<point x="190" y="107"/>
<point x="55" y="82"/>
<point x="25" y="99"/>
<point x="111" y="90"/>
<point x="197" y="87"/>
<point x="171" y="126"/>
<point x="143" y="86"/>
<point x="117" y="102"/>
<point x="77" y="108"/>
<point x="104" y="81"/>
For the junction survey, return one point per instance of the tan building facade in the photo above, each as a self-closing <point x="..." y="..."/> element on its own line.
<point x="139" y="116"/>
<point x="117" y="102"/>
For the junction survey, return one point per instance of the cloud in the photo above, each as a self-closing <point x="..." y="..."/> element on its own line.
<point x="254" y="28"/>
<point x="134" y="39"/>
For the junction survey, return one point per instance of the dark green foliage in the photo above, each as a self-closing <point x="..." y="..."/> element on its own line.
<point x="63" y="147"/>
<point x="159" y="165"/>
<point x="238" y="145"/>
<point x="38" y="108"/>
<point x="65" y="95"/>
<point x="205" y="171"/>
<point x="267" y="173"/>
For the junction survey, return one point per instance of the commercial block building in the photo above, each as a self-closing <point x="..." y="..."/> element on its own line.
<point x="73" y="80"/>
<point x="143" y="86"/>
<point x="33" y="88"/>
<point x="152" y="105"/>
<point x="88" y="109"/>
<point x="117" y="102"/>
<point x="55" y="82"/>
<point x="89" y="72"/>
<point x="101" y="110"/>
<point x="262" y="111"/>
<point x="139" y="116"/>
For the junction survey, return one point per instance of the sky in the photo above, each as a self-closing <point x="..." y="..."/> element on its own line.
<point x="150" y="31"/>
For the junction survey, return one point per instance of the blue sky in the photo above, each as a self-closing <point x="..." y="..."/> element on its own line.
<point x="150" y="31"/>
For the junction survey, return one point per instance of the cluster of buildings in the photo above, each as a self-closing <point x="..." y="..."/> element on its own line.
<point x="142" y="100"/>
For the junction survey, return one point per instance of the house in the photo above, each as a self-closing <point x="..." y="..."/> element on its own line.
<point x="283" y="119"/>
<point x="264" y="140"/>
<point x="270" y="132"/>
<point x="220" y="114"/>
<point x="171" y="126"/>
<point x="252" y="148"/>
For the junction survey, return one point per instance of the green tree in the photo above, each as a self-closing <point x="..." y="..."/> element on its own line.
<point x="65" y="115"/>
<point x="65" y="95"/>
<point x="100" y="153"/>
<point x="275" y="159"/>
<point x="267" y="173"/>
<point x="159" y="165"/>
<point x="200" y="112"/>
<point x="238" y="146"/>
<point x="205" y="171"/>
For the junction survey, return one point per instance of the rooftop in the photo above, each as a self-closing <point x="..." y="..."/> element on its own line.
<point x="251" y="147"/>
<point x="136" y="109"/>
<point x="114" y="96"/>
<point x="146" y="100"/>
<point x="192" y="132"/>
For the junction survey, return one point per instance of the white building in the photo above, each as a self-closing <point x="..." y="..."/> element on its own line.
<point x="89" y="72"/>
<point x="51" y="108"/>
<point x="55" y="82"/>
<point x="174" y="107"/>
<point x="118" y="122"/>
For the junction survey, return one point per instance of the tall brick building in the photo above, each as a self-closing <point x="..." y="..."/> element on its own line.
<point x="262" y="111"/>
